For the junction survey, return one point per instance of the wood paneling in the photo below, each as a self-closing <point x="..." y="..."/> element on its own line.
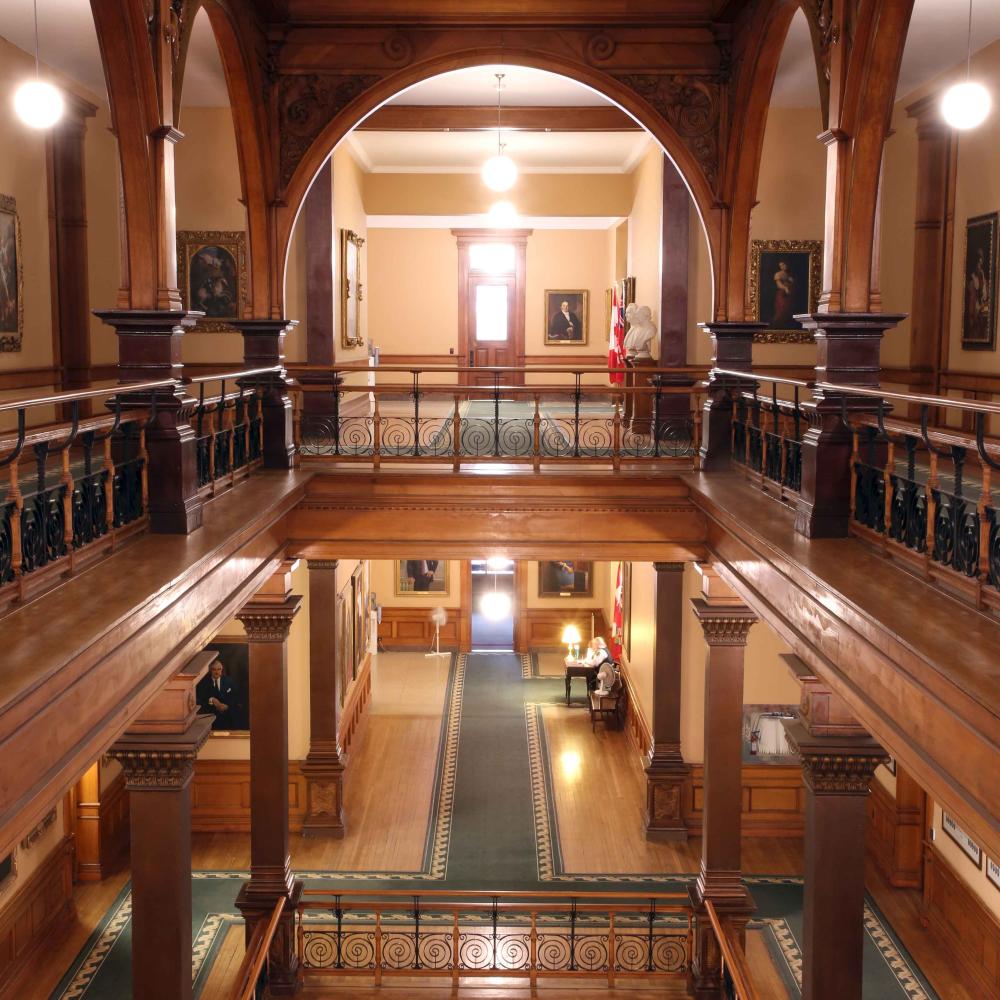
<point x="542" y="628"/>
<point x="30" y="917"/>
<point x="102" y="826"/>
<point x="967" y="929"/>
<point x="773" y="800"/>
<point x="411" y="628"/>
<point x="895" y="835"/>
<point x="220" y="796"/>
<point x="358" y="697"/>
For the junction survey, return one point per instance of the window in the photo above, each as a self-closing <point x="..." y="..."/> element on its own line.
<point x="492" y="258"/>
<point x="491" y="312"/>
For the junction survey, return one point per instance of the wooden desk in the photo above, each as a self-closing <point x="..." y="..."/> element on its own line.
<point x="579" y="671"/>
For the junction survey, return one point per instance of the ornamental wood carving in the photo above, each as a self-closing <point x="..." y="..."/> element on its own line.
<point x="839" y="774"/>
<point x="306" y="104"/>
<point x="691" y="105"/>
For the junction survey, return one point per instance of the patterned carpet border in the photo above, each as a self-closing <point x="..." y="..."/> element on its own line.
<point x="895" y="957"/>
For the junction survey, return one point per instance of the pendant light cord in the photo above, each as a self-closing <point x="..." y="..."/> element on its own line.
<point x="500" y="77"/>
<point x="968" y="57"/>
<point x="37" y="71"/>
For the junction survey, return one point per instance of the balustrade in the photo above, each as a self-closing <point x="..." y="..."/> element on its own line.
<point x="381" y="933"/>
<point x="501" y="419"/>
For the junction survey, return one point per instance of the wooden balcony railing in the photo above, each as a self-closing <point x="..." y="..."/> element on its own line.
<point x="405" y="416"/>
<point x="376" y="934"/>
<point x="736" y="982"/>
<point x="252" y="977"/>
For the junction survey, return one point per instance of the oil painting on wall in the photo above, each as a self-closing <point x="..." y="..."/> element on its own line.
<point x="212" y="271"/>
<point x="11" y="277"/>
<point x="979" y="302"/>
<point x="785" y="278"/>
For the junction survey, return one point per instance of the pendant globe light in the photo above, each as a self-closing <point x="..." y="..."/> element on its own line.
<point x="966" y="105"/>
<point x="500" y="171"/>
<point x="37" y="102"/>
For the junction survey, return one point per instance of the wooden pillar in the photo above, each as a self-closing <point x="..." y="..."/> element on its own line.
<point x="157" y="754"/>
<point x="665" y="767"/>
<point x="68" y="243"/>
<point x="726" y="623"/>
<point x="324" y="766"/>
<point x="838" y="761"/>
<point x="267" y="620"/>
<point x="317" y="212"/>
<point x="848" y="346"/>
<point x="933" y="238"/>
<point x="264" y="347"/>
<point x="732" y="348"/>
<point x="149" y="348"/>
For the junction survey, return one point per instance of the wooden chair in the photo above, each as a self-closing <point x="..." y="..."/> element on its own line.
<point x="608" y="706"/>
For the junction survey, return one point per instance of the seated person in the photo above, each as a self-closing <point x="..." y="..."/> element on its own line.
<point x="217" y="697"/>
<point x="597" y="653"/>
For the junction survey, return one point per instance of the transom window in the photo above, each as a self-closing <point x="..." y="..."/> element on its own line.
<point x="492" y="258"/>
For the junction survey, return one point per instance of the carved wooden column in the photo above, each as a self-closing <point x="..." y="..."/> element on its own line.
<point x="933" y="238"/>
<point x="264" y="347"/>
<point x="838" y="761"/>
<point x="157" y="754"/>
<point x="267" y="620"/>
<point x="726" y="622"/>
<point x="665" y="767"/>
<point x="324" y="766"/>
<point x="847" y="353"/>
<point x="68" y="242"/>
<point x="149" y="348"/>
<point x="732" y="348"/>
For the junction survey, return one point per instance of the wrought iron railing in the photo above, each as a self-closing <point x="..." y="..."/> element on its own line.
<point x="767" y="432"/>
<point x="74" y="489"/>
<point x="925" y="494"/>
<point x="252" y="976"/>
<point x="378" y="934"/>
<point x="405" y="417"/>
<point x="228" y="427"/>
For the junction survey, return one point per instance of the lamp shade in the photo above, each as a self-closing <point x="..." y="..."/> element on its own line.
<point x="571" y="635"/>
<point x="499" y="173"/>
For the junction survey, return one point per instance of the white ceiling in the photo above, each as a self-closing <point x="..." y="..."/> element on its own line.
<point x="465" y="152"/>
<point x="936" y="41"/>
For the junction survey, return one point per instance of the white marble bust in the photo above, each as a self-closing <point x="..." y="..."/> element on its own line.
<point x="641" y="333"/>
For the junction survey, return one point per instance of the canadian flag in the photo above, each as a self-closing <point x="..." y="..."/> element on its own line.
<point x="616" y="340"/>
<point x="619" y="622"/>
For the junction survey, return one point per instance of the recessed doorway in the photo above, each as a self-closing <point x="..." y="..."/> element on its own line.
<point x="492" y="603"/>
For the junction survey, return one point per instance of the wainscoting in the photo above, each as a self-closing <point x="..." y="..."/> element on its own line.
<point x="359" y="694"/>
<point x="542" y="628"/>
<point x="220" y="796"/>
<point x="30" y="916"/>
<point x="896" y="832"/>
<point x="966" y="927"/>
<point x="411" y="628"/>
<point x="102" y="826"/>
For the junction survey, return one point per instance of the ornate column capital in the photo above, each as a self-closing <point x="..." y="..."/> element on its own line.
<point x="722" y="625"/>
<point x="163" y="763"/>
<point x="833" y="766"/>
<point x="323" y="565"/>
<point x="267" y="621"/>
<point x="668" y="567"/>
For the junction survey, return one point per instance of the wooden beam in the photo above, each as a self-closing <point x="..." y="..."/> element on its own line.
<point x="458" y="118"/>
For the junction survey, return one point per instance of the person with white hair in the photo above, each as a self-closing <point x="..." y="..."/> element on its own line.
<point x="598" y="659"/>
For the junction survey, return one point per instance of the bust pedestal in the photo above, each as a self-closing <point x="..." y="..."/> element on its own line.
<point x="638" y="405"/>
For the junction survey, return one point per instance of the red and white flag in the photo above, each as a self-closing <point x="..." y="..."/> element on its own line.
<point x="616" y="340"/>
<point x="618" y="626"/>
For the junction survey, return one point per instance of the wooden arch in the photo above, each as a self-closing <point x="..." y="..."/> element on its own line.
<point x="355" y="111"/>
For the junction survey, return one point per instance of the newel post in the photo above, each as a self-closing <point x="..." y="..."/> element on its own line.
<point x="732" y="349"/>
<point x="264" y="347"/>
<point x="848" y="346"/>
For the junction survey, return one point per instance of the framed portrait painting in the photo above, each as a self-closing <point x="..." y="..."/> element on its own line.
<point x="566" y="316"/>
<point x="351" y="288"/>
<point x="234" y="655"/>
<point x="565" y="578"/>
<point x="785" y="278"/>
<point x="421" y="576"/>
<point x="11" y="277"/>
<point x="345" y="639"/>
<point x="212" y="271"/>
<point x="979" y="302"/>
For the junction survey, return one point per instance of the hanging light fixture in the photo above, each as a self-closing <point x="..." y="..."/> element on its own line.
<point x="500" y="171"/>
<point x="502" y="215"/>
<point x="37" y="102"/>
<point x="965" y="105"/>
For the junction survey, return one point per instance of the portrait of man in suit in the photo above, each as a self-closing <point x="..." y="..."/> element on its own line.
<point x="218" y="697"/>
<point x="565" y="317"/>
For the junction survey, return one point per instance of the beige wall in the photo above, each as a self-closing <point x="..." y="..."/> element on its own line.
<point x="383" y="583"/>
<point x="962" y="865"/>
<point x="644" y="230"/>
<point x="28" y="860"/>
<point x="465" y="194"/>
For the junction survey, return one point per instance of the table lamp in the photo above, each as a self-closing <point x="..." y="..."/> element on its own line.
<point x="571" y="636"/>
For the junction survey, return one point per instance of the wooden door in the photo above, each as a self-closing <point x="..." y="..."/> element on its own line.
<point x="490" y="322"/>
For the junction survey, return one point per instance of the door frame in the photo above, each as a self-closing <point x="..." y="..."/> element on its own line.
<point x="465" y="239"/>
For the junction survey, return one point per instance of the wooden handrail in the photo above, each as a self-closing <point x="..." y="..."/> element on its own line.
<point x="976" y="406"/>
<point x="464" y="390"/>
<point x="54" y="399"/>
<point x="758" y="377"/>
<point x="693" y="370"/>
<point x="734" y="959"/>
<point x="229" y="376"/>
<point x="256" y="954"/>
<point x="488" y="896"/>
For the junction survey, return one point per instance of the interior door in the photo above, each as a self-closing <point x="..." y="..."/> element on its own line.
<point x="490" y="325"/>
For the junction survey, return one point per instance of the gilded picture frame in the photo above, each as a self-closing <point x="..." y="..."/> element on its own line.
<point x="565" y="578"/>
<point x="407" y="575"/>
<point x="786" y="279"/>
<point x="11" y="277"/>
<point x="351" y="288"/>
<point x="567" y="328"/>
<point x="979" y="284"/>
<point x="345" y="639"/>
<point x="213" y="278"/>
